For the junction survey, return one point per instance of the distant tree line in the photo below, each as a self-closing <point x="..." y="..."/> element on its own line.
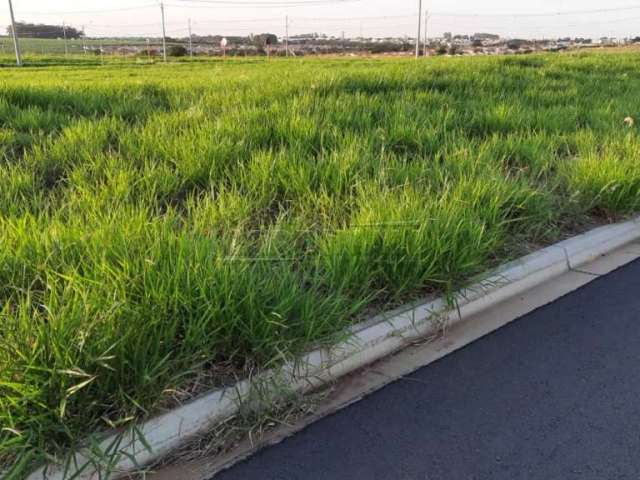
<point x="41" y="30"/>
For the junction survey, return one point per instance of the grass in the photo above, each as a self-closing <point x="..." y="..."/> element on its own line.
<point x="56" y="46"/>
<point x="161" y="222"/>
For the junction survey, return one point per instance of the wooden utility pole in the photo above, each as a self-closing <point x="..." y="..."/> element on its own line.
<point x="286" y="35"/>
<point x="190" y="41"/>
<point x="419" y="36"/>
<point x="426" y="36"/>
<point x="164" y="34"/>
<point x="14" y="33"/>
<point x="64" y="34"/>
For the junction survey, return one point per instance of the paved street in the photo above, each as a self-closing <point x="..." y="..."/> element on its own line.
<point x="554" y="395"/>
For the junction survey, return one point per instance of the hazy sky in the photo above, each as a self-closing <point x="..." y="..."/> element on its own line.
<point x="374" y="18"/>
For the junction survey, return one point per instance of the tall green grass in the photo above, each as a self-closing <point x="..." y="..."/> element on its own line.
<point x="158" y="223"/>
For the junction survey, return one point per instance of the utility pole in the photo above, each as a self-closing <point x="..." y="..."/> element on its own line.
<point x="149" y="50"/>
<point x="164" y="34"/>
<point x="64" y="34"/>
<point x="84" y="44"/>
<point x="286" y="38"/>
<point x="419" y="36"/>
<point x="426" y="36"/>
<point x="16" y="44"/>
<point x="190" y="41"/>
<point x="101" y="53"/>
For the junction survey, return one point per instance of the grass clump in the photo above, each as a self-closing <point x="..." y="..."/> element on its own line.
<point x="158" y="222"/>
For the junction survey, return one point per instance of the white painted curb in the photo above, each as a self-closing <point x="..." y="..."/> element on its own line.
<point x="367" y="344"/>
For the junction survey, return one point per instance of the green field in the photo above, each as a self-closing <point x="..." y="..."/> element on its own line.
<point x="165" y="224"/>
<point x="56" y="46"/>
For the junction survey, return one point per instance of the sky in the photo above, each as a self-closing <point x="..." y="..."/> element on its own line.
<point x="369" y="18"/>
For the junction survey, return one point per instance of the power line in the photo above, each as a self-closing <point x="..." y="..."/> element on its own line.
<point x="89" y="12"/>
<point x="533" y="14"/>
<point x="474" y="15"/>
<point x="280" y="3"/>
<point x="379" y="17"/>
<point x="254" y="3"/>
<point x="217" y="4"/>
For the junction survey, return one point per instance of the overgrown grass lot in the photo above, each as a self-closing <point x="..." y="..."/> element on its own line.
<point x="161" y="224"/>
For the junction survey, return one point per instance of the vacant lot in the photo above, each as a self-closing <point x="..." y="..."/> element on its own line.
<point x="165" y="226"/>
<point x="34" y="47"/>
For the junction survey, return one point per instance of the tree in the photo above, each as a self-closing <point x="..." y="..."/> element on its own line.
<point x="177" y="51"/>
<point x="486" y="36"/>
<point x="516" y="44"/>
<point x="41" y="30"/>
<point x="265" y="39"/>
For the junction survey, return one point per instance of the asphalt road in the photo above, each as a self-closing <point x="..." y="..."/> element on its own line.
<point x="553" y="395"/>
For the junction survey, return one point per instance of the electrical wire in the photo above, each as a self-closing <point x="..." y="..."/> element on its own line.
<point x="380" y="22"/>
<point x="279" y="3"/>
<point x="88" y="12"/>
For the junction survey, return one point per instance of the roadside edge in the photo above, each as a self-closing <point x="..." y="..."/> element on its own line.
<point x="368" y="343"/>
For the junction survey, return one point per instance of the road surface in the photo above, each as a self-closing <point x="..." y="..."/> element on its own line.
<point x="553" y="395"/>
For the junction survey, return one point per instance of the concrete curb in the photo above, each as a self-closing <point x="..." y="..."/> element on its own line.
<point x="368" y="343"/>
